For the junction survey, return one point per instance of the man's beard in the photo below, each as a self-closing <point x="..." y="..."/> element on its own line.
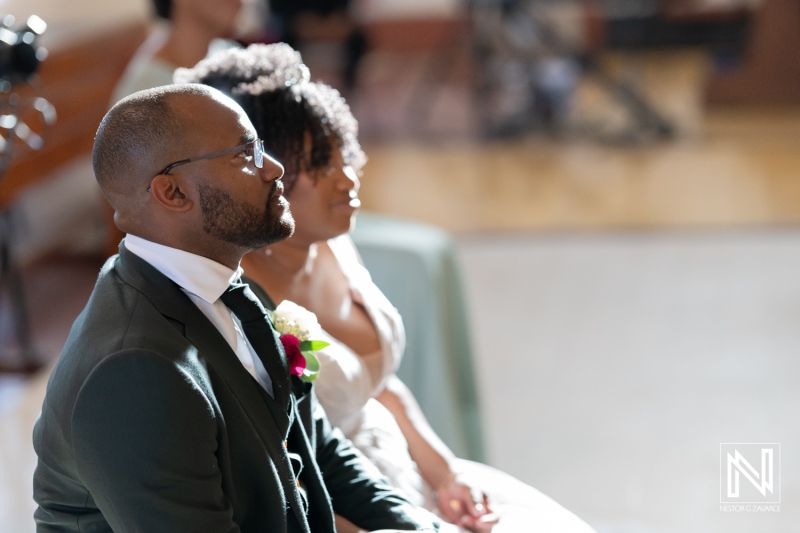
<point x="242" y="224"/>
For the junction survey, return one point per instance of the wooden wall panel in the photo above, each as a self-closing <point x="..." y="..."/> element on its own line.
<point x="771" y="70"/>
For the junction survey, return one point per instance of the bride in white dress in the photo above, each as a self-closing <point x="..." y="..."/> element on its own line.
<point x="309" y="128"/>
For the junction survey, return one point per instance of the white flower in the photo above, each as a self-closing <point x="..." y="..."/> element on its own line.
<point x="290" y="318"/>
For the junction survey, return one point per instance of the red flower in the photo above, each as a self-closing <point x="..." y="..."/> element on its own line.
<point x="297" y="362"/>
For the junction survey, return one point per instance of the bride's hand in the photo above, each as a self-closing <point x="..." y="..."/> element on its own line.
<point x="465" y="506"/>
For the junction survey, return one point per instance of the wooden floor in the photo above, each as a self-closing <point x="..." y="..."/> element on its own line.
<point x="742" y="170"/>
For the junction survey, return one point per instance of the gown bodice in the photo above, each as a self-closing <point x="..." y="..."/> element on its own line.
<point x="348" y="382"/>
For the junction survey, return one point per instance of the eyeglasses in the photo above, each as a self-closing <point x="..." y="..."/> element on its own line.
<point x="255" y="147"/>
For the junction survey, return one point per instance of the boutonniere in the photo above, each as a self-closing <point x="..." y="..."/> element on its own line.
<point x="297" y="326"/>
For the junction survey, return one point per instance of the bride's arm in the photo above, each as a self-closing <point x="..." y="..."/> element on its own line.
<point x="458" y="503"/>
<point x="432" y="456"/>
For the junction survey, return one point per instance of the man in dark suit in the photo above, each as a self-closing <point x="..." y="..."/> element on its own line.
<point x="165" y="412"/>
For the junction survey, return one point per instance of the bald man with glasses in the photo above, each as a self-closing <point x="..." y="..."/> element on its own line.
<point x="172" y="407"/>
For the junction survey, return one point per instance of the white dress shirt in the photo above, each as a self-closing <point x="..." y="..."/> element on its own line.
<point x="204" y="280"/>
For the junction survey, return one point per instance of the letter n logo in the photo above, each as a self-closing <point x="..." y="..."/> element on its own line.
<point x="749" y="473"/>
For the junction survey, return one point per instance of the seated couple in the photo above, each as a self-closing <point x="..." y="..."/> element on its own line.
<point x="173" y="407"/>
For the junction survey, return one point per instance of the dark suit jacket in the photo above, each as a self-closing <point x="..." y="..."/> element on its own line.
<point x="152" y="424"/>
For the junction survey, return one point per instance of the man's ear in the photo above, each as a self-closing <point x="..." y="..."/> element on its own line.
<point x="169" y="191"/>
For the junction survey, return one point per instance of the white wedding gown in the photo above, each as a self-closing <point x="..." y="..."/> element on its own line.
<point x="347" y="386"/>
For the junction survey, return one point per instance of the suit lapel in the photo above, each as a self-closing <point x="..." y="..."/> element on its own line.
<point x="320" y="514"/>
<point x="269" y="420"/>
<point x="266" y="416"/>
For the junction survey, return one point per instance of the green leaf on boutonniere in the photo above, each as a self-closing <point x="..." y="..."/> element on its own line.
<point x="312" y="366"/>
<point x="313" y="346"/>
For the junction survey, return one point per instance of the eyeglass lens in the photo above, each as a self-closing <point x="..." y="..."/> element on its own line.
<point x="258" y="153"/>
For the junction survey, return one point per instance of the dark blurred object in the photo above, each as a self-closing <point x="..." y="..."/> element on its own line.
<point x="27" y="359"/>
<point x="300" y="22"/>
<point x="675" y="23"/>
<point x="19" y="54"/>
<point x="24" y="117"/>
<point x="731" y="30"/>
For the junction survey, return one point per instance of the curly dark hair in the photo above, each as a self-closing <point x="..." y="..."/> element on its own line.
<point x="163" y="8"/>
<point x="272" y="85"/>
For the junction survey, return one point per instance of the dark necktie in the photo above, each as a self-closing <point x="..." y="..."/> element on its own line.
<point x="253" y="317"/>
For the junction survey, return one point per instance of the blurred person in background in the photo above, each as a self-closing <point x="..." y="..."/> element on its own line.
<point x="527" y="54"/>
<point x="310" y="129"/>
<point x="189" y="30"/>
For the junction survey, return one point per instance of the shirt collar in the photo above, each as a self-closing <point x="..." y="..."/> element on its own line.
<point x="194" y="273"/>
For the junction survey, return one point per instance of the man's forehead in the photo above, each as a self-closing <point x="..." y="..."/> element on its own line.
<point x="244" y="122"/>
<point x="216" y="115"/>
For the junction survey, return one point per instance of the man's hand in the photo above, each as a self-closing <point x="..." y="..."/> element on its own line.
<point x="465" y="506"/>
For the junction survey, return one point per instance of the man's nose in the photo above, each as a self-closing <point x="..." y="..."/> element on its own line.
<point x="271" y="170"/>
